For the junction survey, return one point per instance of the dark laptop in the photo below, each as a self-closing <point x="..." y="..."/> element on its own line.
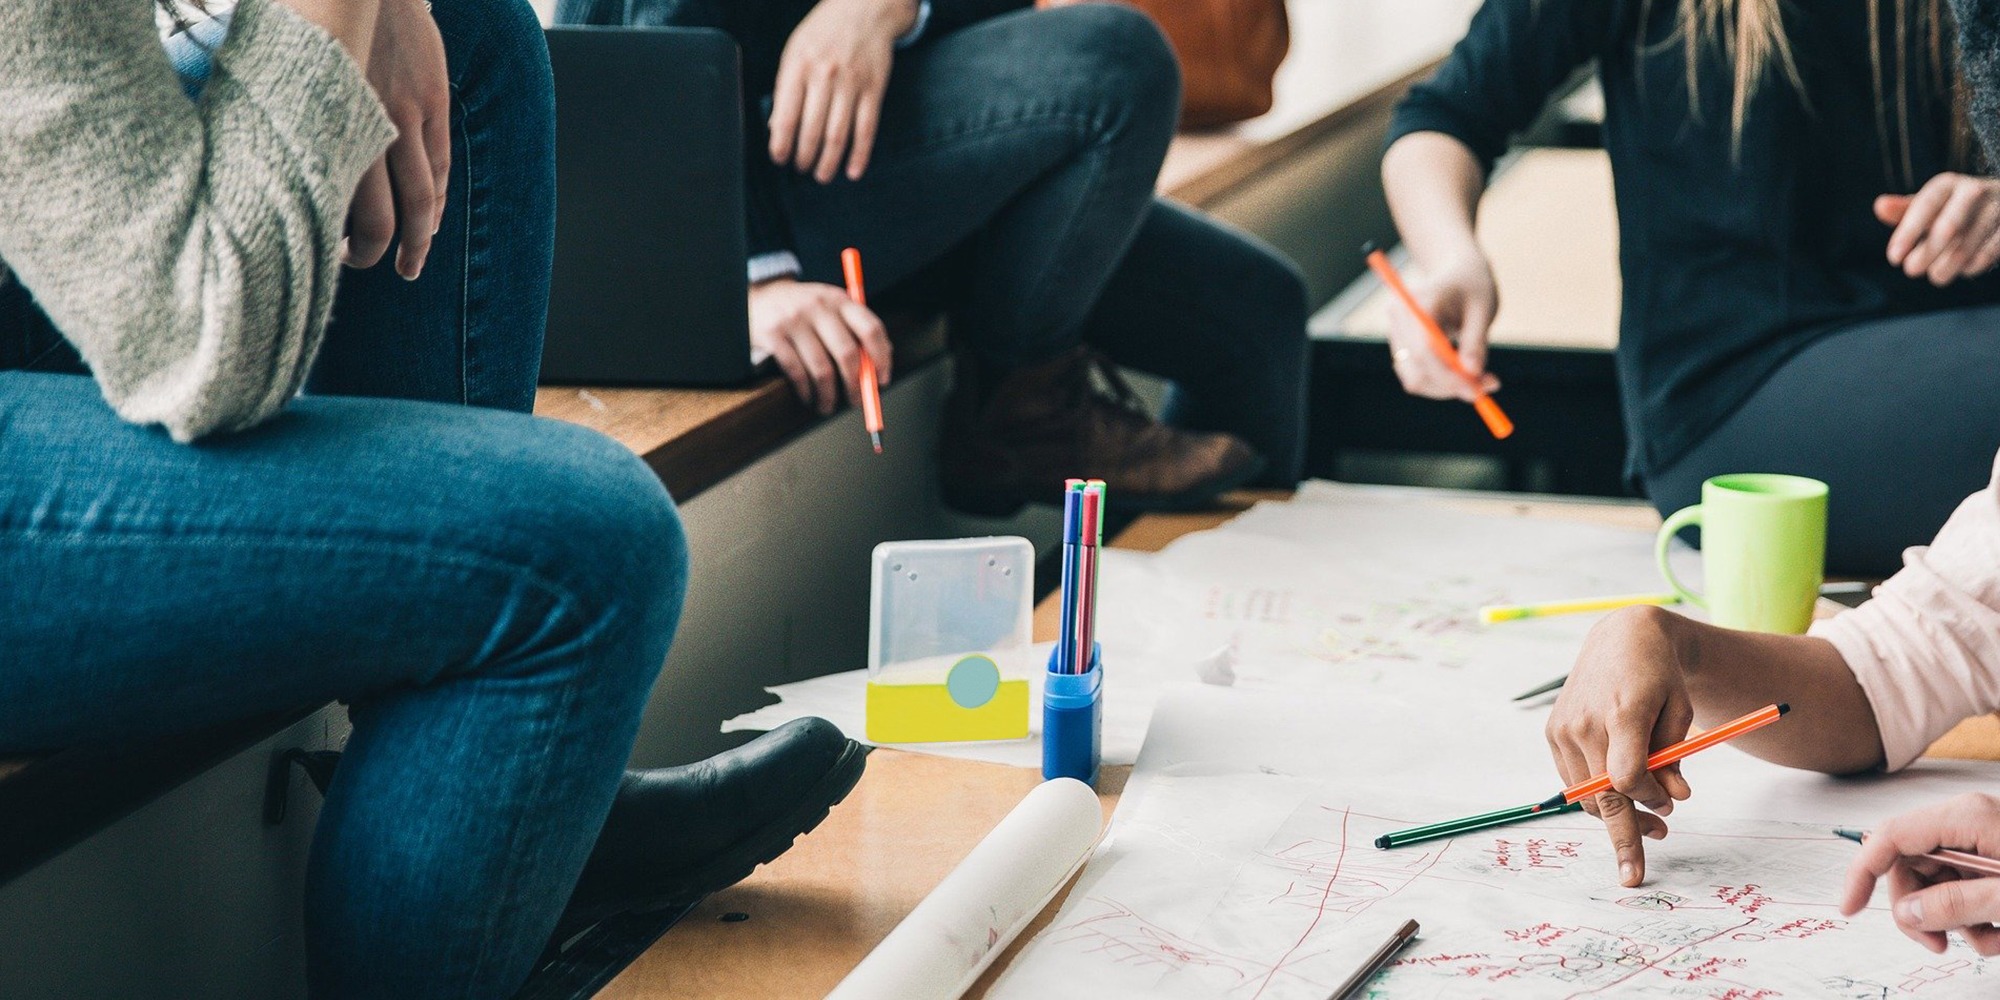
<point x="649" y="285"/>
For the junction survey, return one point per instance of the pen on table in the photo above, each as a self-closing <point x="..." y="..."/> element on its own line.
<point x="1467" y="824"/>
<point x="1543" y="688"/>
<point x="1441" y="345"/>
<point x="1376" y="962"/>
<point x="1668" y="755"/>
<point x="1496" y="613"/>
<point x="1960" y="860"/>
<point x="871" y="391"/>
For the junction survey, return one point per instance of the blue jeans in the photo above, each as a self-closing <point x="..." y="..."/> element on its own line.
<point x="492" y="594"/>
<point x="1012" y="182"/>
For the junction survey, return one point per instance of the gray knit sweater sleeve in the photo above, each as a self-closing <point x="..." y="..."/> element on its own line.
<point x="1979" y="56"/>
<point x="188" y="249"/>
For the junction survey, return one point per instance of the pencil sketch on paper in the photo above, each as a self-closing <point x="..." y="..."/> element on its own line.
<point x="1731" y="911"/>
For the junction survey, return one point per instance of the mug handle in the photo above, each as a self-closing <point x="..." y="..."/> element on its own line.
<point x="1682" y="518"/>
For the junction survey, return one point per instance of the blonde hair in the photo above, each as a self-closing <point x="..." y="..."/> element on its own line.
<point x="1751" y="34"/>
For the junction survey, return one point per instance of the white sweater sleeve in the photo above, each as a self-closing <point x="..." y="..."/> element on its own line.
<point x="188" y="249"/>
<point x="1926" y="649"/>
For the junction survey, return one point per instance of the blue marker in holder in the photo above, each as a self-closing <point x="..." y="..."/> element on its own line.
<point x="1073" y="720"/>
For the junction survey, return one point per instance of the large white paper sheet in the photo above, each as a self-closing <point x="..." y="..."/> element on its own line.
<point x="1341" y="586"/>
<point x="1241" y="864"/>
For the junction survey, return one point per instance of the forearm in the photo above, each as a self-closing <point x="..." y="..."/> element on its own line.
<point x="350" y="22"/>
<point x="1433" y="184"/>
<point x="1831" y="726"/>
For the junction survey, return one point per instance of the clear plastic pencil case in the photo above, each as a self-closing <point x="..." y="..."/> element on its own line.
<point x="950" y="628"/>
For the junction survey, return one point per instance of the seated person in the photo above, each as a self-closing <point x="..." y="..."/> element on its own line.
<point x="492" y="594"/>
<point x="1806" y="243"/>
<point x="1000" y="162"/>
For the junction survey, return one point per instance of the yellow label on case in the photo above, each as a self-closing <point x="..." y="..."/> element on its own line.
<point x="928" y="713"/>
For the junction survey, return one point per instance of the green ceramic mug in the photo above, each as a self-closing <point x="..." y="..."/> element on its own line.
<point x="1763" y="549"/>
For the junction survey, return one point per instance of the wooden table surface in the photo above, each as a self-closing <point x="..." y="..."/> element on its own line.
<point x="814" y="913"/>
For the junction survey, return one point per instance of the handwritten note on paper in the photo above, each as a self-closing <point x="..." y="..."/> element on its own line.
<point x="1731" y="910"/>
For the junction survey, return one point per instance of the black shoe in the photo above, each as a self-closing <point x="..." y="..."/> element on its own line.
<point x="679" y="833"/>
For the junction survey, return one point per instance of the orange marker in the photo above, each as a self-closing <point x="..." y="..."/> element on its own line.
<point x="1668" y="755"/>
<point x="871" y="392"/>
<point x="1489" y="411"/>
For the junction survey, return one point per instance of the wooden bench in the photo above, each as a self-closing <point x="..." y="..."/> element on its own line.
<point x="1303" y="177"/>
<point x="1549" y="227"/>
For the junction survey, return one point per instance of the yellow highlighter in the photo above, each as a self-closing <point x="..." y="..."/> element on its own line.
<point x="1496" y="613"/>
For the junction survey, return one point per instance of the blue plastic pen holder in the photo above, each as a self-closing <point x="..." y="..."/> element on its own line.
<point x="1073" y="720"/>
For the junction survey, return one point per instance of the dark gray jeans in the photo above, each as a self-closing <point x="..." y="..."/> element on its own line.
<point x="1900" y="417"/>
<point x="1012" y="183"/>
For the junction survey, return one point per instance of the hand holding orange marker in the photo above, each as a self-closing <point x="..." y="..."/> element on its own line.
<point x="1669" y="755"/>
<point x="871" y="390"/>
<point x="1489" y="411"/>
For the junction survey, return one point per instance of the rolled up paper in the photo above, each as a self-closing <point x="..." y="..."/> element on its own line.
<point x="939" y="950"/>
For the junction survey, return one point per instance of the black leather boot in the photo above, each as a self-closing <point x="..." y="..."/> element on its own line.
<point x="678" y="833"/>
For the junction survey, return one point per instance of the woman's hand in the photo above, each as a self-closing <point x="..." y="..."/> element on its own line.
<point x="1949" y="229"/>
<point x="816" y="335"/>
<point x="1461" y="295"/>
<point x="1626" y="697"/>
<point x="350" y="22"/>
<point x="1928" y="899"/>
<point x="405" y="190"/>
<point x="828" y="97"/>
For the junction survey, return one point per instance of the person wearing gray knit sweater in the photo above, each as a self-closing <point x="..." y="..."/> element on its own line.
<point x="186" y="540"/>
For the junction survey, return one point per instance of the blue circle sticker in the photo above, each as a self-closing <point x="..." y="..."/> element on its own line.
<point x="973" y="681"/>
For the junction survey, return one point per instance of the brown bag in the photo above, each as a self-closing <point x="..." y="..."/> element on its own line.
<point x="1229" y="52"/>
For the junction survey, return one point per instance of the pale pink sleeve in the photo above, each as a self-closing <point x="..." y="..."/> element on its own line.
<point x="1926" y="649"/>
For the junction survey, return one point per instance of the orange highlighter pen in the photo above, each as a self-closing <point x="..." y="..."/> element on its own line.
<point x="1489" y="411"/>
<point x="871" y="391"/>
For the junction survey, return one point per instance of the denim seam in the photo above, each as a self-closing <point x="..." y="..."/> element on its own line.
<point x="465" y="278"/>
<point x="930" y="143"/>
<point x="564" y="596"/>
<point x="1097" y="155"/>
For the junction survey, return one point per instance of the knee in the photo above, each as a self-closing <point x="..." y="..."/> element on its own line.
<point x="498" y="48"/>
<point x="1121" y="54"/>
<point x="593" y="521"/>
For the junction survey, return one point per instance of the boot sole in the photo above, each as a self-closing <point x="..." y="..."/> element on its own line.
<point x="761" y="847"/>
<point x="1202" y="498"/>
<point x="1192" y="500"/>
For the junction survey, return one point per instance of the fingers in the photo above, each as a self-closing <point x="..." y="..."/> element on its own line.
<point x="1904" y="880"/>
<point x="1977" y="229"/>
<point x="867" y="118"/>
<point x="1419" y="370"/>
<point x="1949" y="905"/>
<point x="1952" y="219"/>
<point x="1889" y="208"/>
<point x="839" y="123"/>
<point x="845" y="350"/>
<point x="789" y="362"/>
<point x="874" y="337"/>
<point x="1923" y="207"/>
<point x="1628" y="743"/>
<point x="1472" y="330"/>
<point x="813" y="118"/>
<point x="418" y="202"/>
<point x="788" y="101"/>
<point x="1621" y="820"/>
<point x="1988" y="255"/>
<point x="821" y="376"/>
<point x="437" y="146"/>
<point x="371" y="219"/>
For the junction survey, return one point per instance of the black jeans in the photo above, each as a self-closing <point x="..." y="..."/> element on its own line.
<point x="1900" y="417"/>
<point x="1012" y="182"/>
